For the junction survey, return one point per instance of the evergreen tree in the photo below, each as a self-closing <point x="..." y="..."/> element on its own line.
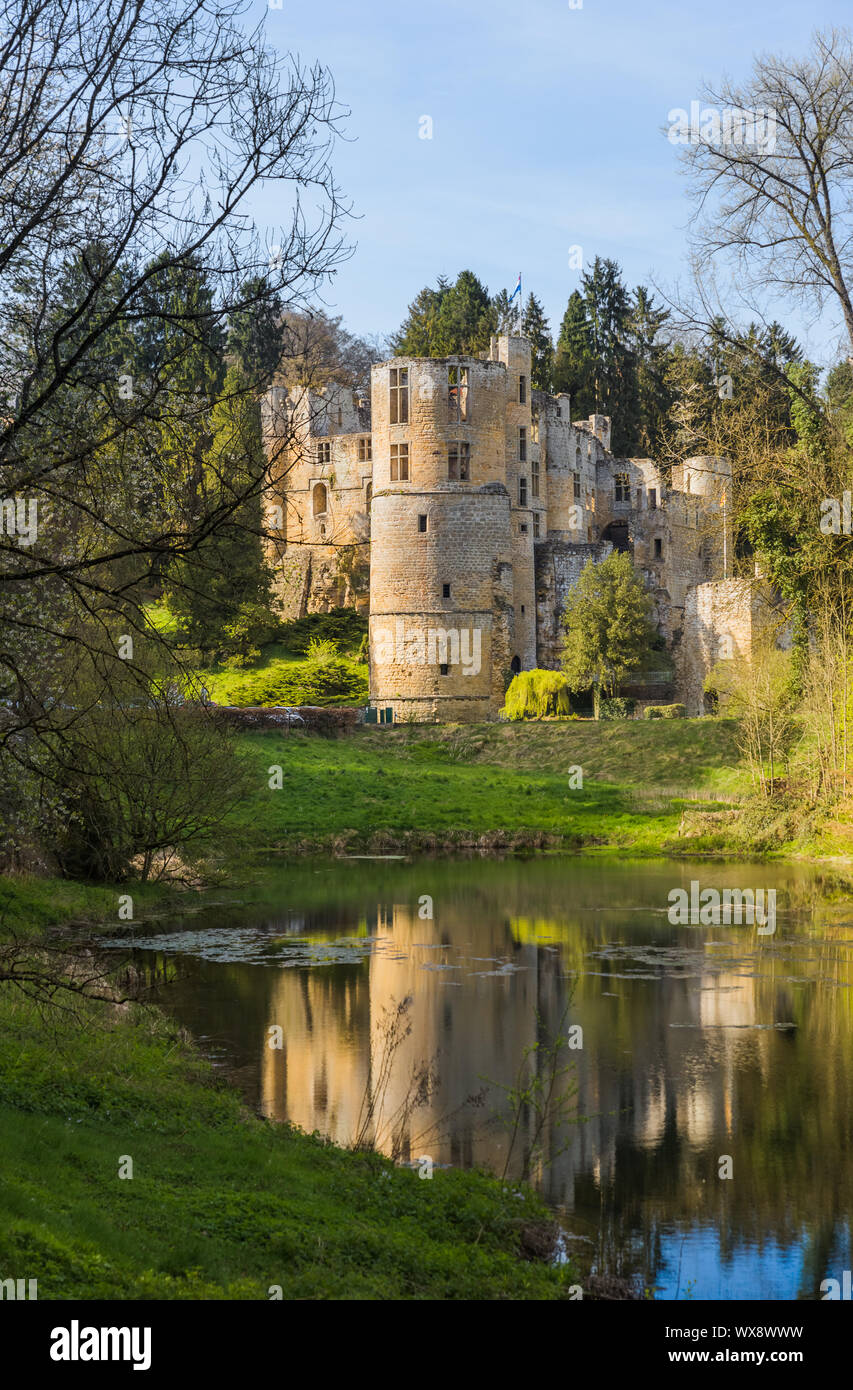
<point x="534" y="326"/>
<point x="256" y="333"/>
<point x="417" y="335"/>
<point x="573" y="358"/>
<point x="651" y="355"/>
<point x="221" y="589"/>
<point x="458" y="318"/>
<point x="614" y="371"/>
<point x="508" y="314"/>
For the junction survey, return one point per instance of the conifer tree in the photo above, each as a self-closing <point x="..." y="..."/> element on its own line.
<point x="534" y="326"/>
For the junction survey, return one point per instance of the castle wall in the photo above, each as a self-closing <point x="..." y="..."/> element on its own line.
<point x="520" y="475"/>
<point x="319" y="549"/>
<point x="721" y="621"/>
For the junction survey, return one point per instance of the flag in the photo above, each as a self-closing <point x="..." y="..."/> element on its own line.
<point x="517" y="290"/>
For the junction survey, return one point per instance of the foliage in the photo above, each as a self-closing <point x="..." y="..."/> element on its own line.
<point x="453" y="318"/>
<point x="534" y="325"/>
<point x="664" y="712"/>
<point x="617" y="708"/>
<point x="607" y="625"/>
<point x="537" y="695"/>
<point x="758" y="691"/>
<point x="343" y="626"/>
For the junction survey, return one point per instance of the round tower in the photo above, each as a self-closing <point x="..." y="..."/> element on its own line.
<point x="441" y="542"/>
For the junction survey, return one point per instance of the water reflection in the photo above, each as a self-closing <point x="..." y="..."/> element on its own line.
<point x="699" y="1044"/>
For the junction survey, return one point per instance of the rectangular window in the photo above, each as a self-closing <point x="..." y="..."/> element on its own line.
<point x="365" y="450"/>
<point x="534" y="429"/>
<point x="399" y="463"/>
<point x="522" y="390"/>
<point x="536" y="526"/>
<point x="399" y="395"/>
<point x="658" y="549"/>
<point x="577" y="478"/>
<point x="324" y="452"/>
<point x="653" y="499"/>
<point x="445" y="591"/>
<point x="422" y="522"/>
<point x="534" y="477"/>
<point x="559" y="412"/>
<point x="523" y="528"/>
<point x="459" y="461"/>
<point x="622" y="489"/>
<point x="444" y="668"/>
<point x="522" y="492"/>
<point x="340" y="416"/>
<point x="457" y="392"/>
<point x="522" y="445"/>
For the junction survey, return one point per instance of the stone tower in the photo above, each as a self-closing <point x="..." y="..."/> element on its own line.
<point x="452" y="603"/>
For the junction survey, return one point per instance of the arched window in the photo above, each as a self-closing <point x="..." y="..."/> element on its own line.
<point x="515" y="665"/>
<point x="320" y="499"/>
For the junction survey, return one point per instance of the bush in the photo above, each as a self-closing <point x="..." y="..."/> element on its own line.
<point x="537" y="694"/>
<point x="342" y="626"/>
<point x="332" y="681"/>
<point x="664" y="712"/>
<point x="617" y="708"/>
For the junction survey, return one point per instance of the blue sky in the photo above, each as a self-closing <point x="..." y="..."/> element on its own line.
<point x="546" y="134"/>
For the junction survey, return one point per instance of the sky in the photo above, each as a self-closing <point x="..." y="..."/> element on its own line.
<point x="546" y="135"/>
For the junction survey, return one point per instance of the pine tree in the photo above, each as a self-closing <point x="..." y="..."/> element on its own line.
<point x="614" y="373"/>
<point x="572" y="371"/>
<point x="534" y="326"/>
<point x="457" y="318"/>
<point x="654" y="396"/>
<point x="417" y="334"/>
<point x="508" y="314"/>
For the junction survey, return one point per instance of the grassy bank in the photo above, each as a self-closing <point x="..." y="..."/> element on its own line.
<point x="423" y="787"/>
<point x="220" y="1204"/>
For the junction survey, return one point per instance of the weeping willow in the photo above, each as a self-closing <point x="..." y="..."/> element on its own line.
<point x="537" y="694"/>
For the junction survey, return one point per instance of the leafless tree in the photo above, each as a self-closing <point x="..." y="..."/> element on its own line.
<point x="133" y="134"/>
<point x="771" y="170"/>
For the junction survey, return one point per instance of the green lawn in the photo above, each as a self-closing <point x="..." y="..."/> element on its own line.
<point x="220" y="1204"/>
<point x="419" y="786"/>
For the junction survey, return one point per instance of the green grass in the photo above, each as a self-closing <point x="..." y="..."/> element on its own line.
<point x="283" y="678"/>
<point x="30" y="905"/>
<point x="495" y="784"/>
<point x="221" y="1204"/>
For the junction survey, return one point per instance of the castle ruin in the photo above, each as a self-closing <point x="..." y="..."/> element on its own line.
<point x="458" y="507"/>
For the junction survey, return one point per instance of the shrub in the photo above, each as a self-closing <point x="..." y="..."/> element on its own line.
<point x="537" y="694"/>
<point x="334" y="681"/>
<point x="617" y="708"/>
<point x="664" y="712"/>
<point x="343" y="626"/>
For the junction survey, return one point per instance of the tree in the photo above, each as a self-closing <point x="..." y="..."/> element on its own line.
<point x="773" y="192"/>
<point x="573" y="372"/>
<point x="607" y="626"/>
<point x="534" y="326"/>
<point x="508" y="313"/>
<point x="651" y="355"/>
<point x="614" y="380"/>
<point x="452" y="319"/>
<point x="130" y="141"/>
<point x="758" y="691"/>
<point x="595" y="361"/>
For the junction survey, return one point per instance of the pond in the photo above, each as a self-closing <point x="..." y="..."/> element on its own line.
<point x="698" y="1138"/>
